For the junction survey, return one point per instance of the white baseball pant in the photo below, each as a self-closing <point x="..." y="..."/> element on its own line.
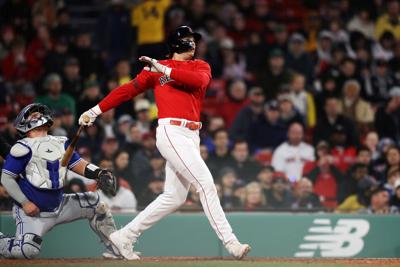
<point x="180" y="147"/>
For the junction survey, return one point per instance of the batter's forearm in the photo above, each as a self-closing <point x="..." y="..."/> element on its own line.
<point x="12" y="188"/>
<point x="119" y="95"/>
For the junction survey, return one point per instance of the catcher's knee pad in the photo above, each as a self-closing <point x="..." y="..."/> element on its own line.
<point x="26" y="248"/>
<point x="103" y="222"/>
<point x="88" y="202"/>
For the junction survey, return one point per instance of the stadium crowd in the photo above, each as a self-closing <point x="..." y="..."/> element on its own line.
<point x="303" y="112"/>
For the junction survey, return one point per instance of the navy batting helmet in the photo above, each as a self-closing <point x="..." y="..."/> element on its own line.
<point x="176" y="44"/>
<point x="33" y="116"/>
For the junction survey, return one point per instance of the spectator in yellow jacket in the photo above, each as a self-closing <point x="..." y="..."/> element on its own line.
<point x="390" y="21"/>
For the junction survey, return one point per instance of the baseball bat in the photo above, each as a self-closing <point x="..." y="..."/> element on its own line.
<point x="70" y="149"/>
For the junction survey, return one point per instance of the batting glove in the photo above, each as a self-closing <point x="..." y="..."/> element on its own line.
<point x="91" y="114"/>
<point x="155" y="66"/>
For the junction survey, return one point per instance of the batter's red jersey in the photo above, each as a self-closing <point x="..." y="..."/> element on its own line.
<point x="178" y="96"/>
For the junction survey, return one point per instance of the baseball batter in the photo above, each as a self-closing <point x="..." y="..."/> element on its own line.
<point x="179" y="85"/>
<point x="33" y="177"/>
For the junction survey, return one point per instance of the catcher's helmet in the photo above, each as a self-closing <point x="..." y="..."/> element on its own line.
<point x="28" y="120"/>
<point x="175" y="42"/>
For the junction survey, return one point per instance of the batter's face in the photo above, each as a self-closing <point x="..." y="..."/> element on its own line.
<point x="189" y="54"/>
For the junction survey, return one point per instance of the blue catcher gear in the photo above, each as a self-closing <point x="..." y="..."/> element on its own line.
<point x="33" y="116"/>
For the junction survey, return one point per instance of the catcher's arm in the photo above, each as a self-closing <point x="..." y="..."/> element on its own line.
<point x="105" y="179"/>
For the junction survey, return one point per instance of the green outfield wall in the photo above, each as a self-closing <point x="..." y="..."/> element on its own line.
<point x="270" y="235"/>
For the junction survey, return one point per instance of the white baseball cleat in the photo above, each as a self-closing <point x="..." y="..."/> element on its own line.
<point x="124" y="246"/>
<point x="237" y="249"/>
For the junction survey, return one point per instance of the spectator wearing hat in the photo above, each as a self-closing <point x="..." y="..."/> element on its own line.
<point x="291" y="155"/>
<point x="245" y="168"/>
<point x="142" y="109"/>
<point x="68" y="122"/>
<point x="324" y="49"/>
<point x="221" y="156"/>
<point x="297" y="59"/>
<point x="276" y="77"/>
<point x="387" y="117"/>
<point x="280" y="196"/>
<point x="324" y="175"/>
<point x="236" y="99"/>
<point x="265" y="178"/>
<point x="380" y="203"/>
<point x="228" y="181"/>
<point x="302" y="100"/>
<point x="333" y="121"/>
<point x="56" y="58"/>
<point x="304" y="196"/>
<point x="90" y="96"/>
<point x="72" y="81"/>
<point x="248" y="114"/>
<point x="268" y="131"/>
<point x="355" y="108"/>
<point x="389" y="21"/>
<point x="253" y="197"/>
<point x="287" y="110"/>
<point x="379" y="84"/>
<point x="55" y="99"/>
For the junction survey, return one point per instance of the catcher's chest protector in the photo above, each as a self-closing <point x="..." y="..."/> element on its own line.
<point x="44" y="168"/>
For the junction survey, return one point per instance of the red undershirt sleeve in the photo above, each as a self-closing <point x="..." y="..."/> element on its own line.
<point x="197" y="79"/>
<point x="127" y="91"/>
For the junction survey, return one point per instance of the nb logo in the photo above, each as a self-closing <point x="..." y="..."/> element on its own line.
<point x="49" y="151"/>
<point x="343" y="240"/>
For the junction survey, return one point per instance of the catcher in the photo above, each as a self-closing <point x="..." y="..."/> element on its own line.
<point x="33" y="177"/>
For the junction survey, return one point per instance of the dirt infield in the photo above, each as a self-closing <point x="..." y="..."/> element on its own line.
<point x="197" y="261"/>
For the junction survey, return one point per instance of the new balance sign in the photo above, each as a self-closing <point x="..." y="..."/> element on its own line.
<point x="345" y="239"/>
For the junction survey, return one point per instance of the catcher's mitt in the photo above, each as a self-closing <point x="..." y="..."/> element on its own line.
<point x="107" y="182"/>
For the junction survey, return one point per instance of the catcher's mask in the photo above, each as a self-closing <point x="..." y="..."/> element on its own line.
<point x="31" y="117"/>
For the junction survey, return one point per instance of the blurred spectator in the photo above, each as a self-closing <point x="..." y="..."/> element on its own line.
<point x="55" y="59"/>
<point x="143" y="122"/>
<point x="297" y="59"/>
<point x="68" y="122"/>
<point x="395" y="200"/>
<point x="364" y="156"/>
<point x="75" y="185"/>
<point x="389" y="21"/>
<point x="380" y="83"/>
<point x="253" y="197"/>
<point x="302" y="100"/>
<point x="247" y="115"/>
<point x="276" y="77"/>
<point x="108" y="123"/>
<point x="89" y="60"/>
<point x="214" y="123"/>
<point x="379" y="203"/>
<point x="123" y="201"/>
<point x="265" y="178"/>
<point x="90" y="96"/>
<point x="124" y="123"/>
<point x="234" y="65"/>
<point x="228" y="181"/>
<point x="362" y="22"/>
<point x="393" y="180"/>
<point x="114" y="33"/>
<point x="220" y="157"/>
<point x="40" y="45"/>
<point x="19" y="65"/>
<point x="154" y="188"/>
<point x="255" y="48"/>
<point x="7" y="36"/>
<point x="372" y="141"/>
<point x="280" y="196"/>
<point x="55" y="99"/>
<point x="235" y="101"/>
<point x="122" y="169"/>
<point x="63" y="27"/>
<point x="323" y="52"/>
<point x="72" y="81"/>
<point x="355" y="108"/>
<point x="324" y="175"/>
<point x="383" y="49"/>
<point x="109" y="147"/>
<point x="94" y="136"/>
<point x="290" y="156"/>
<point x="134" y="143"/>
<point x="387" y="117"/>
<point x="357" y="175"/>
<point x="141" y="162"/>
<point x="245" y="168"/>
<point x="392" y="161"/>
<point x="334" y="121"/>
<point x="268" y="131"/>
<point x="288" y="112"/>
<point x="304" y="198"/>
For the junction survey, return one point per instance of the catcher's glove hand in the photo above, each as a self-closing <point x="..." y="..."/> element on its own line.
<point x="107" y="182"/>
